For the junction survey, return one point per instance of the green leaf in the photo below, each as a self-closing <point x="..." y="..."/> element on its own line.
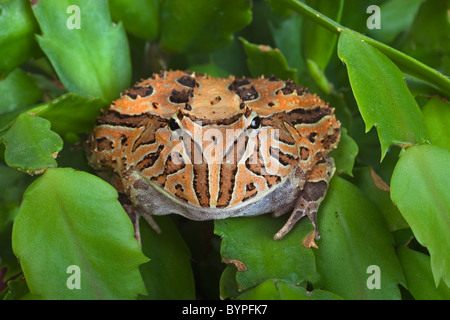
<point x="90" y="54"/>
<point x="437" y="121"/>
<point x="419" y="187"/>
<point x="286" y="36"/>
<point x="139" y="17"/>
<point x="280" y="290"/>
<point x="71" y="218"/>
<point x="248" y="243"/>
<point x="228" y="286"/>
<point x="71" y="113"/>
<point x="319" y="76"/>
<point x="263" y="60"/>
<point x="381" y="93"/>
<point x="168" y="274"/>
<point x="405" y="62"/>
<point x="318" y="44"/>
<point x="203" y="25"/>
<point x="378" y="192"/>
<point x="355" y="237"/>
<point x="210" y="69"/>
<point x="427" y="39"/>
<point x="17" y="29"/>
<point x="344" y="155"/>
<point x="395" y="18"/>
<point x="12" y="90"/>
<point x="419" y="278"/>
<point x="30" y="144"/>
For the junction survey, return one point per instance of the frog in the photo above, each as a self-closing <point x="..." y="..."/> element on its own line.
<point x="209" y="148"/>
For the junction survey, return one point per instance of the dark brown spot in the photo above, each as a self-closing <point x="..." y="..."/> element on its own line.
<point x="180" y="96"/>
<point x="273" y="78"/>
<point x="115" y="118"/>
<point x="187" y="81"/>
<point x="123" y="139"/>
<point x="312" y="136"/>
<point x="187" y="107"/>
<point x="238" y="83"/>
<point x="136" y="91"/>
<point x="247" y="94"/>
<point x="104" y="143"/>
<point x="290" y="87"/>
<point x="250" y="186"/>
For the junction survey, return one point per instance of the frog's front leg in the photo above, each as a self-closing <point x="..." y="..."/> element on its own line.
<point x="310" y="196"/>
<point x="135" y="213"/>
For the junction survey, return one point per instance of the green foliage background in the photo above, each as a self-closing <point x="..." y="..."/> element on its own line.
<point x="55" y="213"/>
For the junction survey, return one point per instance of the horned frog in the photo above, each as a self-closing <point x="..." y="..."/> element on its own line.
<point x="212" y="148"/>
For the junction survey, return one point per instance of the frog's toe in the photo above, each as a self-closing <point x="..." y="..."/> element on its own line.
<point x="303" y="208"/>
<point x="295" y="216"/>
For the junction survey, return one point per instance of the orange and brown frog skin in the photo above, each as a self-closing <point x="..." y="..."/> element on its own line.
<point x="212" y="148"/>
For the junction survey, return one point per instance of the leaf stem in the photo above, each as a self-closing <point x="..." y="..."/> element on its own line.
<point x="407" y="63"/>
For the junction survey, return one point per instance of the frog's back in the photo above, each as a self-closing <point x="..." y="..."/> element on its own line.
<point x="212" y="142"/>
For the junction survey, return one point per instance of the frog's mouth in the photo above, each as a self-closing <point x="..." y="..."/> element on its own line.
<point x="158" y="201"/>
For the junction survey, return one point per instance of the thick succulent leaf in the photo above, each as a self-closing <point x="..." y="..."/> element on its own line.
<point x="248" y="243"/>
<point x="12" y="90"/>
<point x="203" y="25"/>
<point x="264" y="60"/>
<point x="381" y="93"/>
<point x="55" y="231"/>
<point x="68" y="114"/>
<point x="168" y="274"/>
<point x="280" y="290"/>
<point x="377" y="191"/>
<point x="419" y="187"/>
<point x="437" y="120"/>
<point x="139" y="17"/>
<point x="71" y="113"/>
<point x="419" y="278"/>
<point x="94" y="60"/>
<point x="355" y="239"/>
<point x="17" y="29"/>
<point x="228" y="286"/>
<point x="30" y="144"/>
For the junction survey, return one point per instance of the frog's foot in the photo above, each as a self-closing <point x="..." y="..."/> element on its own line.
<point x="302" y="208"/>
<point x="135" y="213"/>
<point x="309" y="197"/>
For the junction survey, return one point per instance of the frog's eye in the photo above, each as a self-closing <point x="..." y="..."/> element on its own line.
<point x="256" y="123"/>
<point x="173" y="125"/>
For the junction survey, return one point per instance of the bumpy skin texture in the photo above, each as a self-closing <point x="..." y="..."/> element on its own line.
<point x="212" y="148"/>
